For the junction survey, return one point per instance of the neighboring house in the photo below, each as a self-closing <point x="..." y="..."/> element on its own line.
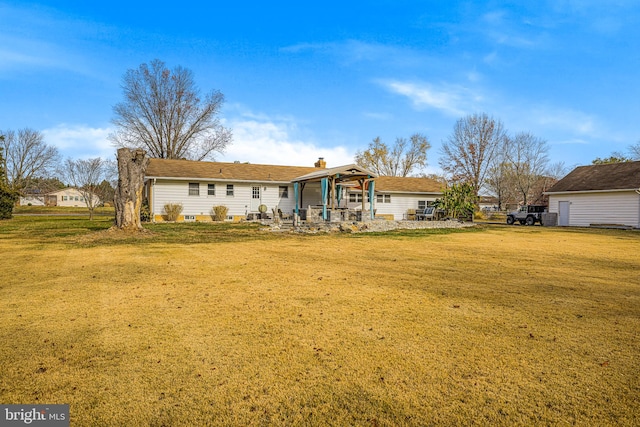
<point x="243" y="187"/>
<point x="607" y="194"/>
<point x="69" y="197"/>
<point x="488" y="203"/>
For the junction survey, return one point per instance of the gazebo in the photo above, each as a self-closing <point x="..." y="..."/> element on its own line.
<point x="332" y="182"/>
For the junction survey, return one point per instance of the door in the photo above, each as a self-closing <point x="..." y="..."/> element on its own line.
<point x="255" y="198"/>
<point x="563" y="214"/>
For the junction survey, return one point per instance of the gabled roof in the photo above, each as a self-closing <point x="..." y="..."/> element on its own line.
<point x="408" y="184"/>
<point x="612" y="176"/>
<point x="341" y="173"/>
<point x="188" y="169"/>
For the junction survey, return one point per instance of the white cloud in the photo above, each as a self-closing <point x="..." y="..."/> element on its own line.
<point x="257" y="139"/>
<point x="80" y="141"/>
<point x="565" y="119"/>
<point x="453" y="100"/>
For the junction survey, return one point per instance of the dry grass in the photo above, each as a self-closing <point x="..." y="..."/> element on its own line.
<point x="241" y="327"/>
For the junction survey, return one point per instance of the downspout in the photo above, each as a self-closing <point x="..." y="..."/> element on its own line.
<point x="152" y="200"/>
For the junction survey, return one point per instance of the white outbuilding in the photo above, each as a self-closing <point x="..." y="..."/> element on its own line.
<point x="598" y="195"/>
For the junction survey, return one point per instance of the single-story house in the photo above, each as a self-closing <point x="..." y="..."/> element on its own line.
<point x="69" y="197"/>
<point x="244" y="187"/>
<point x="597" y="195"/>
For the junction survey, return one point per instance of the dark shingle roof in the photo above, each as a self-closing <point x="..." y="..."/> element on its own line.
<point x="613" y="176"/>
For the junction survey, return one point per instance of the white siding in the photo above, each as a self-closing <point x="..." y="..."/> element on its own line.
<point x="600" y="208"/>
<point x="33" y="200"/>
<point x="171" y="191"/>
<point x="400" y="203"/>
<point x="70" y="197"/>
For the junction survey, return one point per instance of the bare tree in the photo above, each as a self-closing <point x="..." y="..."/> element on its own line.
<point x="27" y="157"/>
<point x="401" y="159"/>
<point x="470" y="150"/>
<point x="164" y="115"/>
<point x="499" y="181"/>
<point x="86" y="176"/>
<point x="634" y="151"/>
<point x="528" y="158"/>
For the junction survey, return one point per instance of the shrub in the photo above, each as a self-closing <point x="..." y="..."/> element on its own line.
<point x="219" y="213"/>
<point x="7" y="201"/>
<point x="479" y="215"/>
<point x="172" y="211"/>
<point x="145" y="211"/>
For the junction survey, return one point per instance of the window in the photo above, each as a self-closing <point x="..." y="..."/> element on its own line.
<point x="194" y="189"/>
<point x="230" y="190"/>
<point x="76" y="198"/>
<point x="387" y="198"/>
<point x="357" y="197"/>
<point x="422" y="204"/>
<point x="284" y="192"/>
<point x="64" y="198"/>
<point x="211" y="190"/>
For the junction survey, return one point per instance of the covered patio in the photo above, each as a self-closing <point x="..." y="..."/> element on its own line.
<point x="333" y="183"/>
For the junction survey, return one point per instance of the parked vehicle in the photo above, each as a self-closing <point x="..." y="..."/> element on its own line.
<point x="528" y="215"/>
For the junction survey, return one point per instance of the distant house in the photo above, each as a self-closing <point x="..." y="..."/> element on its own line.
<point x="69" y="197"/>
<point x="607" y="194"/>
<point x="243" y="187"/>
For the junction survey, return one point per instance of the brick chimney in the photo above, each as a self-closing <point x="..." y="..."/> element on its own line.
<point x="320" y="163"/>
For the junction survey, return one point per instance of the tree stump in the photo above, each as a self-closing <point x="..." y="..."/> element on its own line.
<point x="132" y="165"/>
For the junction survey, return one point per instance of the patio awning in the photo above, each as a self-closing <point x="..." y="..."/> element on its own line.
<point x="330" y="178"/>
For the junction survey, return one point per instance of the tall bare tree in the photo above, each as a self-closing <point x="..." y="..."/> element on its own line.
<point x="86" y="175"/>
<point x="27" y="157"/>
<point x="401" y="159"/>
<point x="163" y="114"/>
<point x="470" y="150"/>
<point x="528" y="159"/>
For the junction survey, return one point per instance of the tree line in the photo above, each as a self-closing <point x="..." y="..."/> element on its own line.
<point x="164" y="114"/>
<point x="479" y="157"/>
<point x="30" y="166"/>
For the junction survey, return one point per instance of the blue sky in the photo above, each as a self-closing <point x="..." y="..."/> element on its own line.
<point x="304" y="80"/>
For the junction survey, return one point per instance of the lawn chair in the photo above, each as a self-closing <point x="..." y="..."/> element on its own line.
<point x="427" y="213"/>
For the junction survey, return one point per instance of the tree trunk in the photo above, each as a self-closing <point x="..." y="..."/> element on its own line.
<point x="132" y="165"/>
